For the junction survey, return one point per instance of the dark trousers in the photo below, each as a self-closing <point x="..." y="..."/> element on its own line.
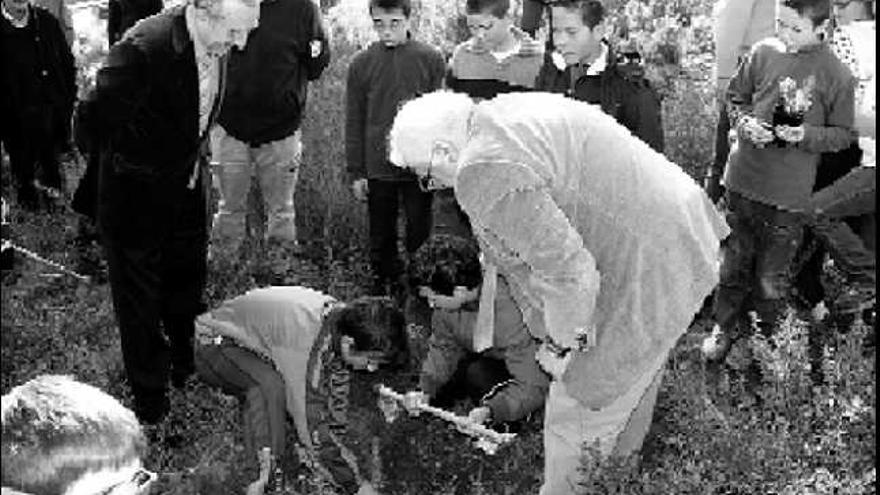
<point x="31" y="147"/>
<point x="854" y="195"/>
<point x="755" y="262"/>
<point x="474" y="378"/>
<point x="256" y="384"/>
<point x="384" y="201"/>
<point x="157" y="283"/>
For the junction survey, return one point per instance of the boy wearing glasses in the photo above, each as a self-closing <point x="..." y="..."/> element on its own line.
<point x="790" y="100"/>
<point x="586" y="68"/>
<point x="491" y="362"/>
<point x="390" y="71"/>
<point x="63" y="436"/>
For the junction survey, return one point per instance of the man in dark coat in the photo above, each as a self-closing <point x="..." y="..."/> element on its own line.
<point x="150" y="112"/>
<point x="37" y="87"/>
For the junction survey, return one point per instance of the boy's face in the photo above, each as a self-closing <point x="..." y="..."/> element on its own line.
<point x="391" y="25"/>
<point x="489" y="32"/>
<point x="794" y="30"/>
<point x="573" y="39"/>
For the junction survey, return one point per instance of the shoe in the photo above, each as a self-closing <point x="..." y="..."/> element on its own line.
<point x="179" y="380"/>
<point x="152" y="413"/>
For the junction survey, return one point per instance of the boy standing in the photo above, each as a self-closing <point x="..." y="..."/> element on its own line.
<point x="790" y="100"/>
<point x="380" y="78"/>
<point x="588" y="71"/>
<point x="498" y="57"/>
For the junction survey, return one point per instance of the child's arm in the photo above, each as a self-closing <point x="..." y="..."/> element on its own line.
<point x="444" y="353"/>
<point x="838" y="132"/>
<point x="355" y="122"/>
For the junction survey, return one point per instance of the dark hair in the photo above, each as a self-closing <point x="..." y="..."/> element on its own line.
<point x="592" y="11"/>
<point x="817" y="11"/>
<point x="404" y="5"/>
<point x="497" y="8"/>
<point x="376" y="324"/>
<point x="445" y="261"/>
<point x="56" y="429"/>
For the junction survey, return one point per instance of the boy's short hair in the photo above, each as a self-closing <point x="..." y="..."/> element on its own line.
<point x="497" y="8"/>
<point x="56" y="430"/>
<point x="445" y="261"/>
<point x="817" y="11"/>
<point x="592" y="11"/>
<point x="376" y="324"/>
<point x="405" y="6"/>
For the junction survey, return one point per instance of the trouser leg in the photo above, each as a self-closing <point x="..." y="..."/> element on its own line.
<point x="184" y="274"/>
<point x="737" y="277"/>
<point x="278" y="166"/>
<point x="482" y="375"/>
<point x="258" y="386"/>
<point x="22" y="162"/>
<point x="135" y="284"/>
<point x="232" y="169"/>
<point x="779" y="234"/>
<point x="383" y="207"/>
<point x="417" y="211"/>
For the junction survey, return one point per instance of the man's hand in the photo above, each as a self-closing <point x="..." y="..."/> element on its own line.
<point x="790" y="134"/>
<point x="413" y="401"/>
<point x="754" y="130"/>
<point x="551" y="362"/>
<point x="360" y="188"/>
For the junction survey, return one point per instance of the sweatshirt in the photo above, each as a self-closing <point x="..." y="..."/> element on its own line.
<point x="379" y="80"/>
<point x="784" y="176"/>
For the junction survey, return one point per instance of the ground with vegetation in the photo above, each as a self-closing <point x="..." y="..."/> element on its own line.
<point x="804" y="438"/>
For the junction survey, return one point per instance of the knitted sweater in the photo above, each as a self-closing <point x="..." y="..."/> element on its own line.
<point x="784" y="176"/>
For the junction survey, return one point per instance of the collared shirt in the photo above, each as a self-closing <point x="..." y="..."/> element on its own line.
<point x="208" y="71"/>
<point x="580" y="70"/>
<point x="17" y="23"/>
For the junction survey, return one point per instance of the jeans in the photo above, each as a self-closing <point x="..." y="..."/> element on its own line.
<point x="276" y="165"/>
<point x="384" y="201"/>
<point x="755" y="261"/>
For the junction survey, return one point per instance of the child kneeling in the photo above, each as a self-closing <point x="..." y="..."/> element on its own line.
<point x="291" y="349"/>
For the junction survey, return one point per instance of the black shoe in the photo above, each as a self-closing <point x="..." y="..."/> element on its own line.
<point x="151" y="410"/>
<point x="179" y="380"/>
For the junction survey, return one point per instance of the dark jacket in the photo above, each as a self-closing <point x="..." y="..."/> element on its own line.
<point x="144" y="113"/>
<point x="266" y="93"/>
<point x="122" y="14"/>
<point x="622" y="91"/>
<point x="380" y="79"/>
<point x="37" y="71"/>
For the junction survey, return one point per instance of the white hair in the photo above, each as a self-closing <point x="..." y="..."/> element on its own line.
<point x="441" y="115"/>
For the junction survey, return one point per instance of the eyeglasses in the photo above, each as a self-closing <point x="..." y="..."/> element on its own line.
<point x="780" y="24"/>
<point x="485" y="26"/>
<point x="427" y="182"/>
<point x="138" y="484"/>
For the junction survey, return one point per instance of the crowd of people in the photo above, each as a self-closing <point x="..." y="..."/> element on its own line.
<point x="552" y="253"/>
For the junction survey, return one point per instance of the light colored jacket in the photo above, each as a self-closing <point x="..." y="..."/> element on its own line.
<point x="739" y="24"/>
<point x="596" y="233"/>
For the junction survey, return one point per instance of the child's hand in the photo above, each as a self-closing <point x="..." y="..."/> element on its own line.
<point x="413" y="402"/>
<point x="551" y="362"/>
<point x="754" y="130"/>
<point x="479" y="415"/>
<point x="790" y="134"/>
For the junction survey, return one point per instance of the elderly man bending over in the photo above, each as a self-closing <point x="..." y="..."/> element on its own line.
<point x="608" y="248"/>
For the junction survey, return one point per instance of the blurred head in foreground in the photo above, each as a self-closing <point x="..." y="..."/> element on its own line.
<point x="63" y="437"/>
